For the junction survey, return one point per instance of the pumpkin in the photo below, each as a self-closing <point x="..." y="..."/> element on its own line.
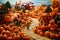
<point x="11" y="29"/>
<point x="16" y="30"/>
<point x="13" y="34"/>
<point x="7" y="27"/>
<point x="23" y="21"/>
<point x="35" y="30"/>
<point x="4" y="37"/>
<point x="16" y="37"/>
<point x="46" y="28"/>
<point x="59" y="34"/>
<point x="58" y="29"/>
<point x="47" y="33"/>
<point x="6" y="32"/>
<point x="38" y="31"/>
<point x="52" y="29"/>
<point x="19" y="33"/>
<point x="1" y="29"/>
<point x="56" y="35"/>
<point x="8" y="18"/>
<point x="9" y="38"/>
<point x="52" y="24"/>
<point x="1" y="36"/>
<point x="52" y="35"/>
<point x="42" y="28"/>
<point x="26" y="14"/>
<point x="41" y="33"/>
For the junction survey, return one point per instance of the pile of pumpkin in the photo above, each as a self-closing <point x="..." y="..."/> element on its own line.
<point x="11" y="32"/>
<point x="51" y="30"/>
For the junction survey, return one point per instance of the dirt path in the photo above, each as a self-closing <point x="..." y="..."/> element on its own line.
<point x="31" y="33"/>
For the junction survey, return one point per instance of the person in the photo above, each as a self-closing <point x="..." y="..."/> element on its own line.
<point x="28" y="24"/>
<point x="17" y="21"/>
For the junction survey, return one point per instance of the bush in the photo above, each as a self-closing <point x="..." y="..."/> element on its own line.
<point x="48" y="9"/>
<point x="57" y="18"/>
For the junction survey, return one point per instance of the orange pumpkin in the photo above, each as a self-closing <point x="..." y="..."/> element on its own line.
<point x="13" y="34"/>
<point x="38" y="31"/>
<point x="42" y="28"/>
<point x="35" y="30"/>
<point x="26" y="14"/>
<point x="58" y="29"/>
<point x="5" y="37"/>
<point x="1" y="36"/>
<point x="16" y="30"/>
<point x="8" y="32"/>
<point x="8" y="18"/>
<point x="47" y="33"/>
<point x="41" y="33"/>
<point x="52" y="24"/>
<point x="19" y="33"/>
<point x="11" y="29"/>
<point x="22" y="34"/>
<point x="1" y="29"/>
<point x="46" y="28"/>
<point x="23" y="21"/>
<point x="7" y="27"/>
<point x="52" y="29"/>
<point x="16" y="37"/>
<point x="52" y="35"/>
<point x="56" y="35"/>
<point x="9" y="38"/>
<point x="59" y="34"/>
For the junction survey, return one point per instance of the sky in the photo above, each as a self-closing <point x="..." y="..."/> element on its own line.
<point x="36" y="2"/>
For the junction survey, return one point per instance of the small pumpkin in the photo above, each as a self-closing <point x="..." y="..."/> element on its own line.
<point x="56" y="35"/>
<point x="41" y="33"/>
<point x="52" y="29"/>
<point x="52" y="35"/>
<point x="47" y="33"/>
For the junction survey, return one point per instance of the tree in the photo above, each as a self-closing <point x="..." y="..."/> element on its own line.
<point x="3" y="11"/>
<point x="7" y="4"/>
<point x="48" y="9"/>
